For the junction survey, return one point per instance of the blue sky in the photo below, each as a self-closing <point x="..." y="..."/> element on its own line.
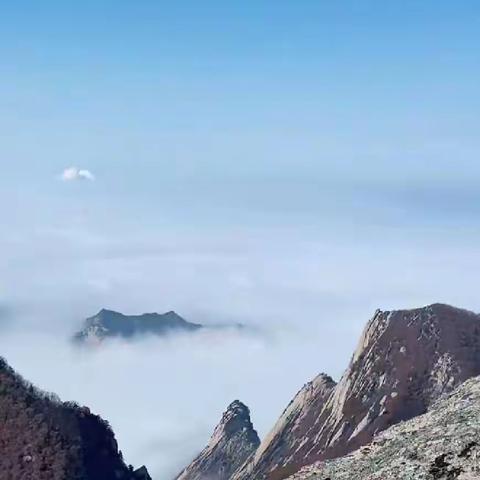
<point x="291" y="164"/>
<point x="350" y="92"/>
<point x="323" y="121"/>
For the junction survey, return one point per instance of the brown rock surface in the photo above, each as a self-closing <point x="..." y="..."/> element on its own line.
<point x="404" y="361"/>
<point x="443" y="444"/>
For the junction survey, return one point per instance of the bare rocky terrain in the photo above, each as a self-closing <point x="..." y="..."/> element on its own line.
<point x="404" y="362"/>
<point x="442" y="444"/>
<point x="293" y="426"/>
<point x="233" y="441"/>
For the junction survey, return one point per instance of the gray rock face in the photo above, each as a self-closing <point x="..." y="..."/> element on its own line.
<point x="233" y="441"/>
<point x="442" y="444"/>
<point x="404" y="361"/>
<point x="109" y="324"/>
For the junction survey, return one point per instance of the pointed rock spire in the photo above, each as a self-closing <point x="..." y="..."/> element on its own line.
<point x="233" y="441"/>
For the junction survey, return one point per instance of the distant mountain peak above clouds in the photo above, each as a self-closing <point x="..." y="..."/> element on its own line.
<point x="107" y="324"/>
<point x="111" y="324"/>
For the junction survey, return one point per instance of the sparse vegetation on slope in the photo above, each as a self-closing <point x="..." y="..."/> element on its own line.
<point x="42" y="438"/>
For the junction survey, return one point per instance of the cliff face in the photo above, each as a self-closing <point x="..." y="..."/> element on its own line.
<point x="296" y="423"/>
<point x="233" y="441"/>
<point x="404" y="361"/>
<point x="44" y="439"/>
<point x="442" y="444"/>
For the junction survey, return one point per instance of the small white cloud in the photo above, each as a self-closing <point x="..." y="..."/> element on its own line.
<point x="73" y="173"/>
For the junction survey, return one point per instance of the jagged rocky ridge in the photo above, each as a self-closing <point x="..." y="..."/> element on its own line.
<point x="404" y="362"/>
<point x="233" y="441"/>
<point x="297" y="423"/>
<point x="42" y="438"/>
<point x="110" y="324"/>
<point x="443" y="444"/>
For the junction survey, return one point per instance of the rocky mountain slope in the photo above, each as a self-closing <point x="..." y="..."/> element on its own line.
<point x="232" y="442"/>
<point x="297" y="423"/>
<point x="42" y="438"/>
<point x="405" y="360"/>
<point x="443" y="444"/>
<point x="110" y="324"/>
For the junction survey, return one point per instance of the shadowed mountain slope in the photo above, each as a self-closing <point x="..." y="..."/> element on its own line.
<point x="42" y="438"/>
<point x="110" y="324"/>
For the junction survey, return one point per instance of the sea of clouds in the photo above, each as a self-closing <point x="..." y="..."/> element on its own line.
<point x="304" y="291"/>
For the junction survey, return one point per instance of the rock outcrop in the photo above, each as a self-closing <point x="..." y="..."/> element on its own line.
<point x="233" y="441"/>
<point x="404" y="361"/>
<point x="141" y="474"/>
<point x="110" y="324"/>
<point x="442" y="444"/>
<point x="42" y="438"/>
<point x="296" y="424"/>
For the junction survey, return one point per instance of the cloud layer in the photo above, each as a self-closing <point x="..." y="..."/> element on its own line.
<point x="163" y="397"/>
<point x="314" y="287"/>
